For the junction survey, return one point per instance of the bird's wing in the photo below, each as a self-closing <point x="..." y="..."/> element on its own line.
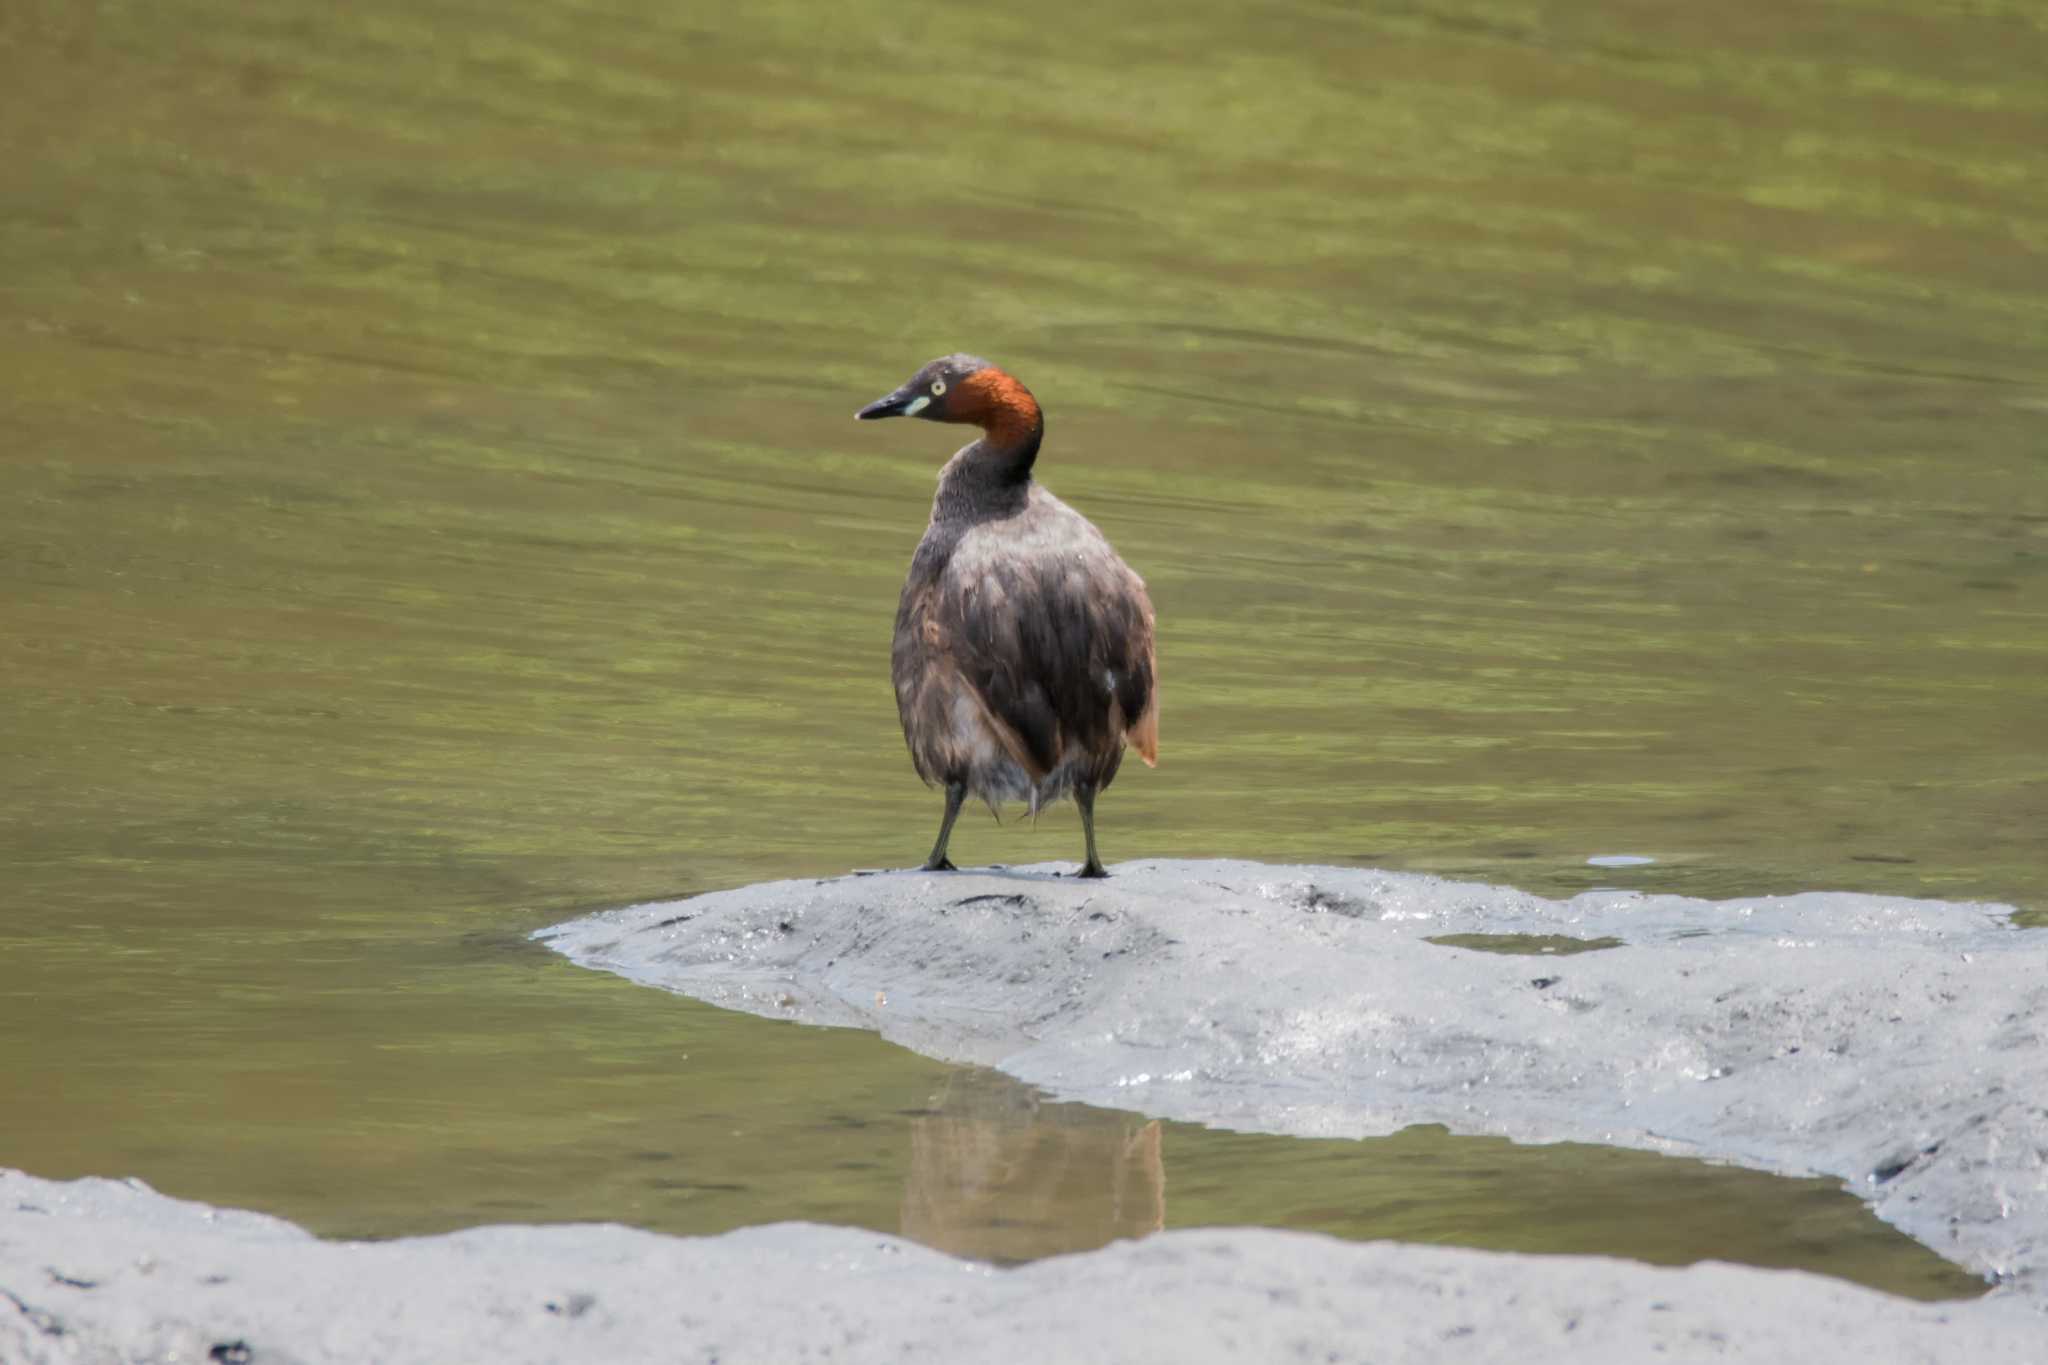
<point x="1053" y="632"/>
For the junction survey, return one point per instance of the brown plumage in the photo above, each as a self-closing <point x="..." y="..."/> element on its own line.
<point x="1023" y="658"/>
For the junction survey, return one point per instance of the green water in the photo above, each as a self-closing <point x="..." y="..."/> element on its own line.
<point x="1527" y="945"/>
<point x="429" y="506"/>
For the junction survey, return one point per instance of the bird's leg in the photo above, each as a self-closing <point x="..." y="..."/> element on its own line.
<point x="1084" y="797"/>
<point x="956" y="792"/>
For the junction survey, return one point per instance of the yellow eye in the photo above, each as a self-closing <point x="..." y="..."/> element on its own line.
<point x="938" y="387"/>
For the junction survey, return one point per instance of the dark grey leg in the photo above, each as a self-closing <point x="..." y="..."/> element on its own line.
<point x="956" y="792"/>
<point x="1084" y="797"/>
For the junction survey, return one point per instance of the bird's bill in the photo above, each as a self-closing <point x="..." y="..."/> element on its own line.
<point x="907" y="401"/>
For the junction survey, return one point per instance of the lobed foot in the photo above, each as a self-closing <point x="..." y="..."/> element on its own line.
<point x="1093" y="869"/>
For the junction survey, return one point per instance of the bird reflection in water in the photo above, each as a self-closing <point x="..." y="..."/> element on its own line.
<point x="998" y="1173"/>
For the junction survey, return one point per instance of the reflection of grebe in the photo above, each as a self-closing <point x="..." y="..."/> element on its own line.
<point x="998" y="1174"/>
<point x="1023" y="655"/>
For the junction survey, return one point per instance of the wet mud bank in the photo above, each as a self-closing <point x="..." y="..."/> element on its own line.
<point x="104" y="1271"/>
<point x="1900" y="1045"/>
<point x="1897" y="1045"/>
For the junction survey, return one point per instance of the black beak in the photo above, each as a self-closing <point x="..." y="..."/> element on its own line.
<point x="892" y="405"/>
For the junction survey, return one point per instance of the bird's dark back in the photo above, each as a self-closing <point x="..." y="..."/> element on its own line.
<point x="1037" y="614"/>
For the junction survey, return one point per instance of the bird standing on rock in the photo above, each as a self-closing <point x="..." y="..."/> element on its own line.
<point x="1023" y="658"/>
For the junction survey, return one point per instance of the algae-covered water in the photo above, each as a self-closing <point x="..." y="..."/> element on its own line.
<point x="429" y="506"/>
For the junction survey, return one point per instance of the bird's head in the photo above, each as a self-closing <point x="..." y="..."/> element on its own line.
<point x="962" y="388"/>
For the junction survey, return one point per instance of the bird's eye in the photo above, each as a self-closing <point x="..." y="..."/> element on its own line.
<point x="938" y="387"/>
